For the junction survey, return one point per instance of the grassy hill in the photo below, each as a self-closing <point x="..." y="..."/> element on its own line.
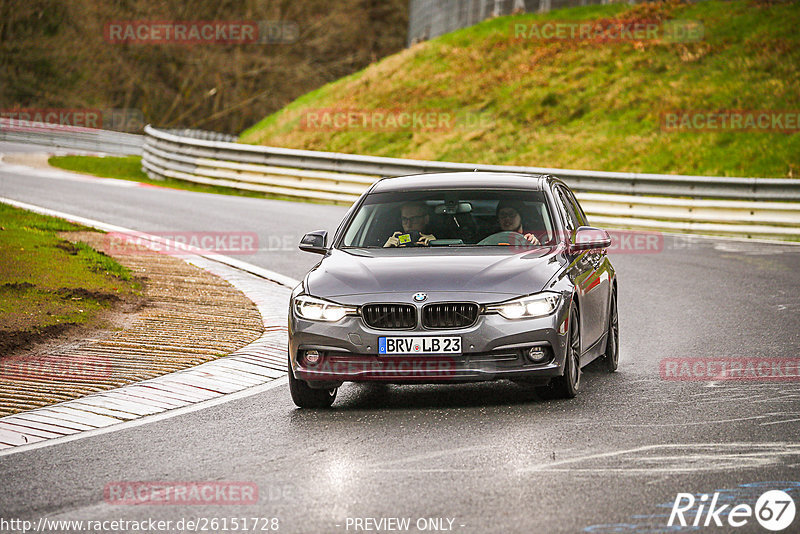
<point x="571" y="103"/>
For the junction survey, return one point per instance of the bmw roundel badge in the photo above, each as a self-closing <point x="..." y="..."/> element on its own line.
<point x="419" y="297"/>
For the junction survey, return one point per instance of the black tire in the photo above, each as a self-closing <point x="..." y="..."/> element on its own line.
<point x="307" y="397"/>
<point x="567" y="385"/>
<point x="611" y="358"/>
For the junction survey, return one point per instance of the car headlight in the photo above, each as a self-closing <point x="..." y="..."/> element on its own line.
<point x="537" y="305"/>
<point x="314" y="309"/>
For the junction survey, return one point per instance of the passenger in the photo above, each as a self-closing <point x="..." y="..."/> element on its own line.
<point x="414" y="218"/>
<point x="509" y="217"/>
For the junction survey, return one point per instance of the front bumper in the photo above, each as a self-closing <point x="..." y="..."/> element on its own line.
<point x="493" y="348"/>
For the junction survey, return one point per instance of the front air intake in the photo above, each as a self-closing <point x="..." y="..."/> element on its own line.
<point x="449" y="315"/>
<point x="390" y="316"/>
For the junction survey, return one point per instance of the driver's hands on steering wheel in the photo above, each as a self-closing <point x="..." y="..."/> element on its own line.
<point x="425" y="239"/>
<point x="394" y="241"/>
<point x="532" y="238"/>
<point x="510" y="237"/>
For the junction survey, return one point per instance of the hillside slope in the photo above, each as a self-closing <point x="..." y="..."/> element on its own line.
<point x="573" y="103"/>
<point x="56" y="54"/>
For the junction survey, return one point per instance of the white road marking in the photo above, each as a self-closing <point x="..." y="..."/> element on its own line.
<point x="688" y="458"/>
<point x="703" y="423"/>
<point x="151" y="418"/>
<point x="780" y="422"/>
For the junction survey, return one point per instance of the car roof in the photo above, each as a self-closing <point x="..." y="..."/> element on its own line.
<point x="462" y="180"/>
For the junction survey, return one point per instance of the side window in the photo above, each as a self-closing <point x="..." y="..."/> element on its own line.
<point x="565" y="206"/>
<point x="576" y="208"/>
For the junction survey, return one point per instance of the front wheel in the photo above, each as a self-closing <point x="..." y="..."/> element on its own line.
<point x="567" y="385"/>
<point x="308" y="397"/>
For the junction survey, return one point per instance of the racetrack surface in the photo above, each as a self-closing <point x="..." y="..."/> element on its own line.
<point x="492" y="457"/>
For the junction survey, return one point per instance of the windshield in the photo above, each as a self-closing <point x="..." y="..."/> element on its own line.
<point x="489" y="218"/>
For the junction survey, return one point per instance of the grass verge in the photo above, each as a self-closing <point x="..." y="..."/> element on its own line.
<point x="48" y="284"/>
<point x="130" y="168"/>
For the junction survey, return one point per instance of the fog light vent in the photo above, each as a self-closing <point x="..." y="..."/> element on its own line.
<point x="312" y="357"/>
<point x="538" y="354"/>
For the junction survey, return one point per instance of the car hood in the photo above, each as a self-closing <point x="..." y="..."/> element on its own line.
<point x="480" y="275"/>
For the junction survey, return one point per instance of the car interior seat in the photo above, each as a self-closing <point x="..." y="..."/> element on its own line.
<point x="459" y="226"/>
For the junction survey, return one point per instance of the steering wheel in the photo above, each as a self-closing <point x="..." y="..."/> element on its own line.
<point x="505" y="238"/>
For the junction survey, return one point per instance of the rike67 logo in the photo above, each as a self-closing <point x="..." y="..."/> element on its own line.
<point x="774" y="510"/>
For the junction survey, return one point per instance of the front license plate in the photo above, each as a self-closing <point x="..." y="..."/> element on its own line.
<point x="419" y="345"/>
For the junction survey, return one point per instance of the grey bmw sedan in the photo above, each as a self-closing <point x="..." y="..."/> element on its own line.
<point x="455" y="277"/>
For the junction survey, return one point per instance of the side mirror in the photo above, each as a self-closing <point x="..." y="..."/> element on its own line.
<point x="589" y="238"/>
<point x="315" y="242"/>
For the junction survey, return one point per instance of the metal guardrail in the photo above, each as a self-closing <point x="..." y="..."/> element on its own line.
<point x="53" y="135"/>
<point x="200" y="134"/>
<point x="205" y="152"/>
<point x="691" y="204"/>
<point x="430" y="18"/>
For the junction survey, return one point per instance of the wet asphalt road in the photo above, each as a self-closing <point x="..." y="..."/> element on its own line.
<point x="490" y="457"/>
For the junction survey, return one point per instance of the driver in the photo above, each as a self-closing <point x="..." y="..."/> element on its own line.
<point x="509" y="217"/>
<point x="414" y="218"/>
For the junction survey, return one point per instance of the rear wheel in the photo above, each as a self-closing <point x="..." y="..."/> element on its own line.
<point x="567" y="385"/>
<point x="611" y="358"/>
<point x="308" y="397"/>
